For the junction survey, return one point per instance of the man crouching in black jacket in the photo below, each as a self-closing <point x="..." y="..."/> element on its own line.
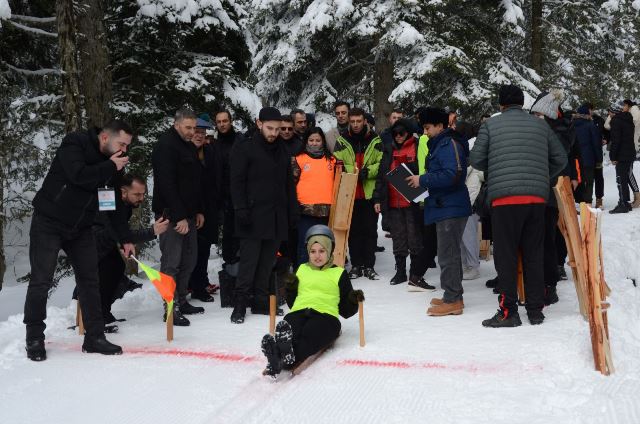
<point x="109" y="231"/>
<point x="64" y="209"/>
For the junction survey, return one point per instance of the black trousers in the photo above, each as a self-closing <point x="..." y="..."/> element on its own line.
<point x="363" y="234"/>
<point x="561" y="248"/>
<point x="598" y="182"/>
<point x="550" y="251"/>
<point x="586" y="186"/>
<point x="47" y="237"/>
<point x="427" y="256"/>
<point x="230" y="243"/>
<point x="312" y="332"/>
<point x="199" y="279"/>
<point x="622" y="180"/>
<point x="257" y="258"/>
<point x="519" y="227"/>
<point x="110" y="272"/>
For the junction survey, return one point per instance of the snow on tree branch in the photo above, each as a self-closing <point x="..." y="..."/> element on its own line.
<point x="43" y="71"/>
<point x="34" y="18"/>
<point x="202" y="13"/>
<point x="5" y="10"/>
<point x="33" y="30"/>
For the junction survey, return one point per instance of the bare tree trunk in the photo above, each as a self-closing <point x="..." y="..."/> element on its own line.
<point x="382" y="88"/>
<point x="94" y="62"/>
<point x="69" y="65"/>
<point x="536" y="36"/>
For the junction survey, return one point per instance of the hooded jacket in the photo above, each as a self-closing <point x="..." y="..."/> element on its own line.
<point x="622" y="129"/>
<point x="589" y="140"/>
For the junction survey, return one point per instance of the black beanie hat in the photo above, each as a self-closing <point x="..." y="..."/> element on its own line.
<point x="435" y="116"/>
<point x="510" y="95"/>
<point x="269" y="114"/>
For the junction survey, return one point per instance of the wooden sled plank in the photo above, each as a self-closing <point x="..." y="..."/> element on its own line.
<point x="298" y="368"/>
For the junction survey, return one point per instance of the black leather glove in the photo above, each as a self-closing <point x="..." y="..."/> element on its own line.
<point x="363" y="174"/>
<point x="356" y="296"/>
<point x="290" y="282"/>
<point x="243" y="217"/>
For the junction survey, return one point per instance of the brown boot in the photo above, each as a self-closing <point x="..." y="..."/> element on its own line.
<point x="599" y="203"/>
<point x="454" y="308"/>
<point x="436" y="301"/>
<point x="636" y="200"/>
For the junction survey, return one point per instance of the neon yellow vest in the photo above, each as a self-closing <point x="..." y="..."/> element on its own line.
<point x="423" y="151"/>
<point x="318" y="290"/>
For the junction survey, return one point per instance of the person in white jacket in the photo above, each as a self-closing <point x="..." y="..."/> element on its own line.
<point x="470" y="246"/>
<point x="634" y="110"/>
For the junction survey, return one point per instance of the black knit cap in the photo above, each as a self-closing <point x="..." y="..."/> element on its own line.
<point x="510" y="95"/>
<point x="434" y="116"/>
<point x="269" y="114"/>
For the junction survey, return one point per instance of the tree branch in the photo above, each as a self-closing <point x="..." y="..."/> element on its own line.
<point x="33" y="30"/>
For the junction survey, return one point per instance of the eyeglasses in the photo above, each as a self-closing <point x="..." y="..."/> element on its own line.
<point x="286" y="128"/>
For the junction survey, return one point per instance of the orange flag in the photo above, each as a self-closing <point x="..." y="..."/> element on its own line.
<point x="165" y="284"/>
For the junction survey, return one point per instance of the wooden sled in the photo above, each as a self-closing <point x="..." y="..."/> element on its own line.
<point x="344" y="194"/>
<point x="298" y="368"/>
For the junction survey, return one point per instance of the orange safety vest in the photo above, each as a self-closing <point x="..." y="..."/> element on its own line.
<point x="315" y="186"/>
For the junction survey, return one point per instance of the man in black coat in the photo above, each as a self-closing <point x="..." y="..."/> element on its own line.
<point x="177" y="194"/>
<point x="64" y="209"/>
<point x="208" y="233"/>
<point x="622" y="154"/>
<point x="265" y="206"/>
<point x="227" y="138"/>
<point x="108" y="232"/>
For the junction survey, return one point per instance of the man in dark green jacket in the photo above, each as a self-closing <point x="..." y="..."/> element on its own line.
<point x="520" y="154"/>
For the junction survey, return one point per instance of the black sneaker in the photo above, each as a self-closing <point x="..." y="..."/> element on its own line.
<point x="622" y="207"/>
<point x="36" y="351"/>
<point x="356" y="272"/>
<point x="562" y="274"/>
<point x="284" y="342"/>
<point x="179" y="320"/>
<point x="270" y="351"/>
<point x="187" y="309"/>
<point x="418" y="284"/>
<point x="238" y="314"/>
<point x="550" y="295"/>
<point x="492" y="284"/>
<point x="498" y="320"/>
<point x="203" y="297"/>
<point x="535" y="317"/>
<point x="100" y="345"/>
<point x="370" y="273"/>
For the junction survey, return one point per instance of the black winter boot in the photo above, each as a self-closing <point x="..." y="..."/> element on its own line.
<point x="499" y="320"/>
<point x="100" y="345"/>
<point x="179" y="320"/>
<point x="284" y="342"/>
<point x="550" y="295"/>
<point x="270" y="351"/>
<point x="239" y="310"/>
<point x="623" y="207"/>
<point x="36" y="351"/>
<point x="401" y="271"/>
<point x="535" y="317"/>
<point x="188" y="309"/>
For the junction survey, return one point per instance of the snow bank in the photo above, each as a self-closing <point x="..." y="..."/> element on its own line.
<point x="5" y="10"/>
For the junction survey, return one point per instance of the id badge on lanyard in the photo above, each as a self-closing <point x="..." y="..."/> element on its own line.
<point x="106" y="199"/>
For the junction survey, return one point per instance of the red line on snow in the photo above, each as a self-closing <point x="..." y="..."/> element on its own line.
<point x="216" y="356"/>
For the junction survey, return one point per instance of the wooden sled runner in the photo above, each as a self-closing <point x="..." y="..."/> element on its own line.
<point x="344" y="194"/>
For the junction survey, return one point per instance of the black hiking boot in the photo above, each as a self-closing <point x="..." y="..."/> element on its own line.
<point x="179" y="320"/>
<point x="550" y="295"/>
<point x="284" y="342"/>
<point x="535" y="317"/>
<point x="418" y="284"/>
<point x="187" y="309"/>
<point x="239" y="311"/>
<point x="100" y="345"/>
<point x="492" y="284"/>
<point x="499" y="320"/>
<point x="401" y="271"/>
<point x="356" y="272"/>
<point x="370" y="273"/>
<point x="36" y="351"/>
<point x="623" y="207"/>
<point x="562" y="274"/>
<point x="270" y="351"/>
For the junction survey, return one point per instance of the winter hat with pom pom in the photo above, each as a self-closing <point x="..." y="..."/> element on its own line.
<point x="547" y="103"/>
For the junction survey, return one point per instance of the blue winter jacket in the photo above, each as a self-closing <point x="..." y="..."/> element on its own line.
<point x="445" y="178"/>
<point x="588" y="137"/>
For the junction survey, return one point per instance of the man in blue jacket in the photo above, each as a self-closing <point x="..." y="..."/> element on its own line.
<point x="590" y="142"/>
<point x="448" y="204"/>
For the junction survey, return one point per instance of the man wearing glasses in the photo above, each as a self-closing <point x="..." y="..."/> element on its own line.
<point x="292" y="140"/>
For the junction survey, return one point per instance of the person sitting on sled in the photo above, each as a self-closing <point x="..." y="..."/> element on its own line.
<point x="316" y="294"/>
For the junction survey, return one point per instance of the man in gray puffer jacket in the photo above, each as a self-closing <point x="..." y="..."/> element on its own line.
<point x="520" y="154"/>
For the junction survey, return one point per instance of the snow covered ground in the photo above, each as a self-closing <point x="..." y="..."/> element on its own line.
<point x="413" y="369"/>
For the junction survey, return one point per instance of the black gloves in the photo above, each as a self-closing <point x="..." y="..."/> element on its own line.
<point x="356" y="296"/>
<point x="363" y="174"/>
<point x="243" y="217"/>
<point x="290" y="282"/>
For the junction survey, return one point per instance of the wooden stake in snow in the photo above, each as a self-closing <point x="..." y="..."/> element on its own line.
<point x="170" y="322"/>
<point x="79" y="322"/>
<point x="361" y="320"/>
<point x="272" y="314"/>
<point x="521" y="296"/>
